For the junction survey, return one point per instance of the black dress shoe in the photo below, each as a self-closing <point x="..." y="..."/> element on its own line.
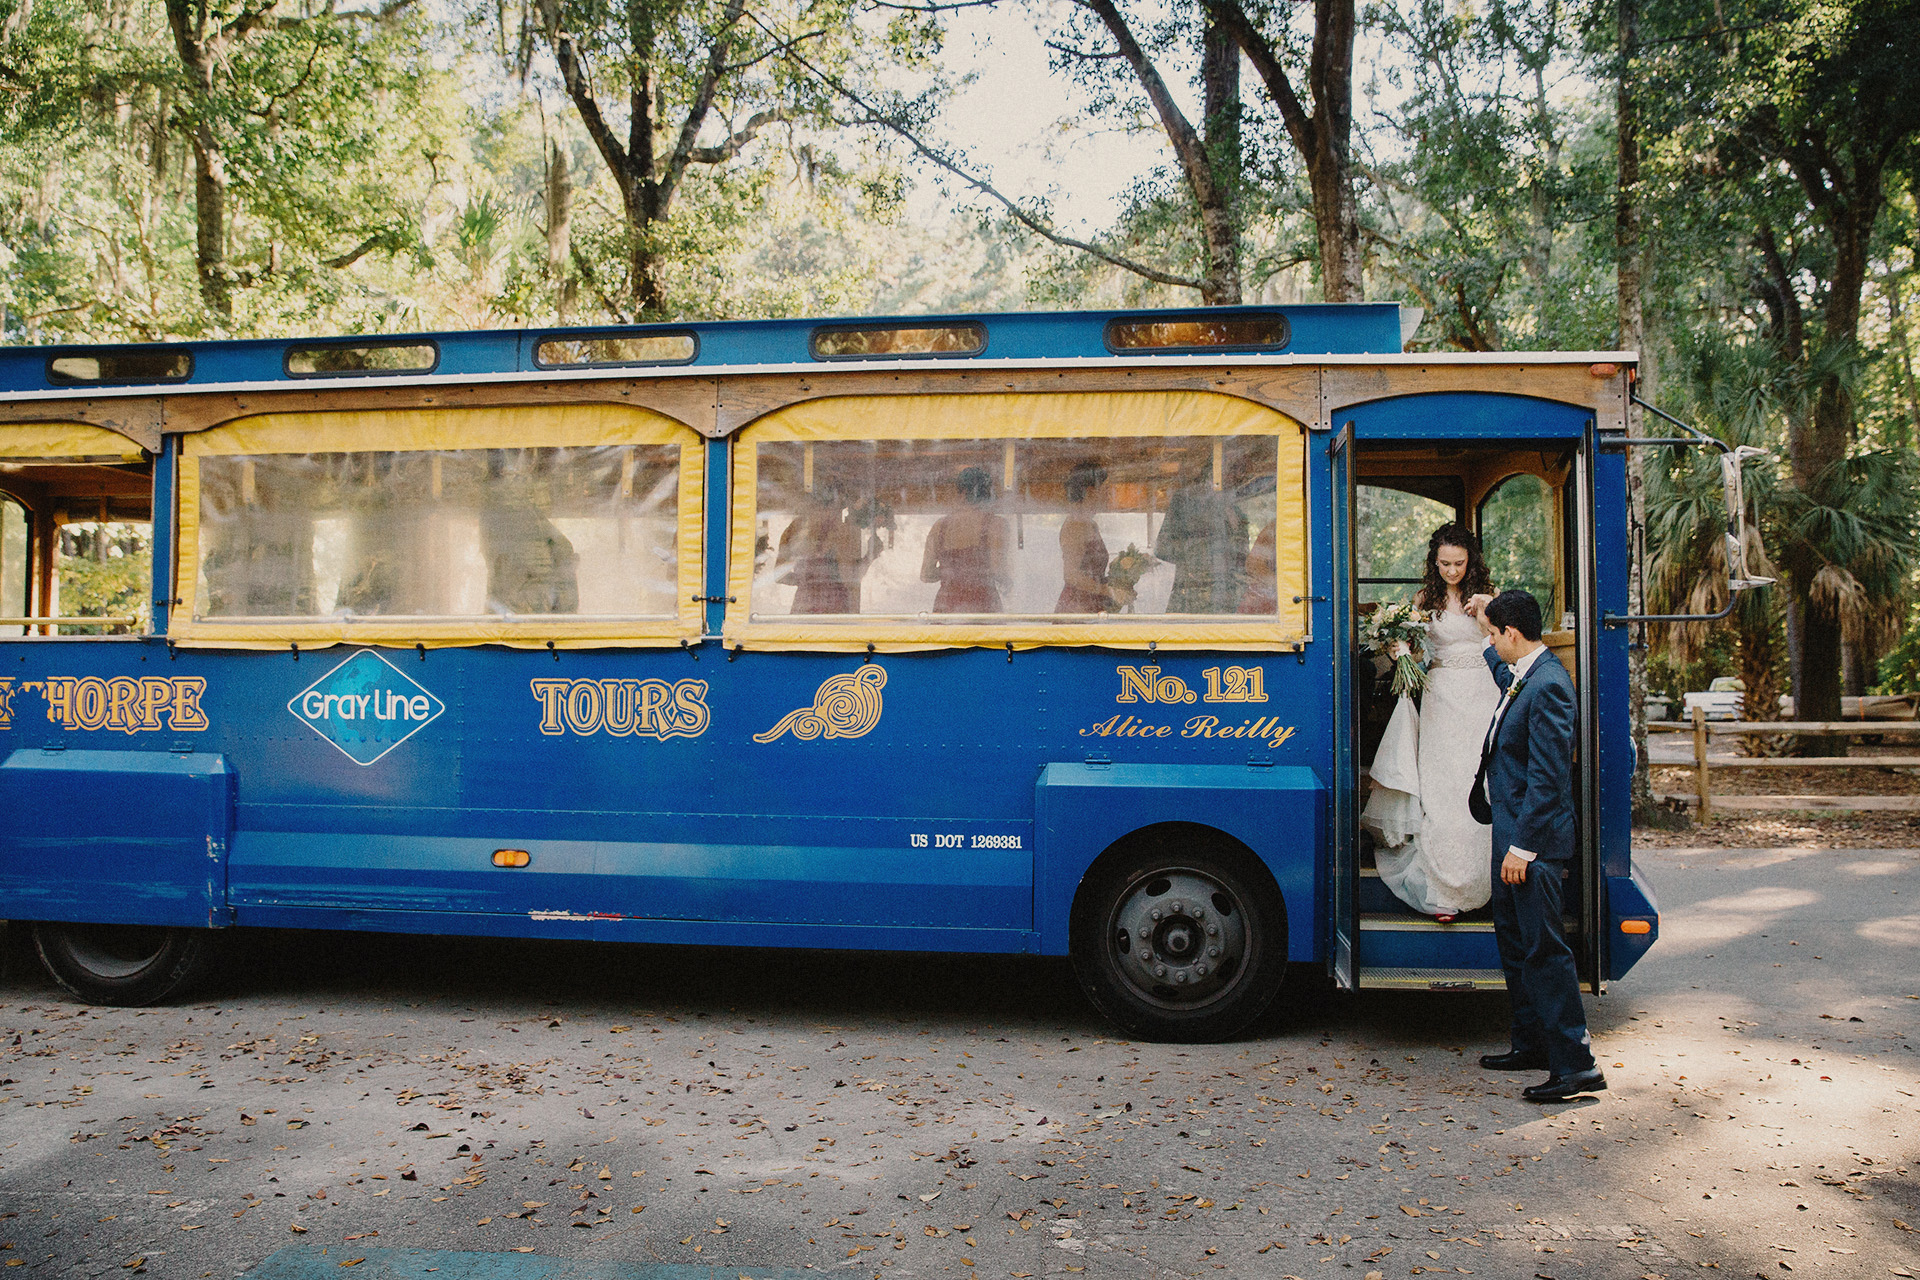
<point x="1514" y="1060"/>
<point x="1571" y="1085"/>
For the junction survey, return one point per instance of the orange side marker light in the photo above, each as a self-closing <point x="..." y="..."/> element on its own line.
<point x="1626" y="926"/>
<point x="511" y="857"/>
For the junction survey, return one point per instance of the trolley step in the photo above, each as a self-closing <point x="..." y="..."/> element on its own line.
<point x="1385" y="922"/>
<point x="1432" y="979"/>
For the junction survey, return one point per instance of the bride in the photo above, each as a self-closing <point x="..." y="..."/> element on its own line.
<point x="1441" y="865"/>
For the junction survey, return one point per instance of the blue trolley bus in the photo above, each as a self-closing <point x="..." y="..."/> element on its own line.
<point x="1002" y="633"/>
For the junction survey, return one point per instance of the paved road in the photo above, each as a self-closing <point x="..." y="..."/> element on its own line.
<point x="604" y="1110"/>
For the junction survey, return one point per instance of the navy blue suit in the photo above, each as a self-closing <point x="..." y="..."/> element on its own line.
<point x="1529" y="775"/>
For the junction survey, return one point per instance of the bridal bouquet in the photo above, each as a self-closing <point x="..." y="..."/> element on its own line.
<point x="1398" y="631"/>
<point x="1128" y="568"/>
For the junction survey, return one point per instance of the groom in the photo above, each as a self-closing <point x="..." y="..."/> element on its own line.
<point x="1525" y="789"/>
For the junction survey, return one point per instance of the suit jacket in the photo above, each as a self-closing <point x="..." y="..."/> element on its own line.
<point x="1529" y="767"/>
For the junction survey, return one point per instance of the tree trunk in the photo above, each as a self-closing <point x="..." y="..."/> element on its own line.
<point x="1220" y="82"/>
<point x="1631" y="318"/>
<point x="1853" y="670"/>
<point x="1323" y="139"/>
<point x="559" y="201"/>
<point x="1336" y="208"/>
<point x="1818" y="441"/>
<point x="199" y="58"/>
<point x="1203" y="153"/>
<point x="1796" y="642"/>
<point x="210" y="223"/>
<point x="1759" y="673"/>
<point x="643" y="281"/>
<point x="1817" y="697"/>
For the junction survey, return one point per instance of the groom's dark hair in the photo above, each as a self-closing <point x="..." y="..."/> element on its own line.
<point x="1516" y="609"/>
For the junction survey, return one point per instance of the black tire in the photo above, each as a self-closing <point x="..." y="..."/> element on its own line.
<point x="124" y="964"/>
<point x="1176" y="938"/>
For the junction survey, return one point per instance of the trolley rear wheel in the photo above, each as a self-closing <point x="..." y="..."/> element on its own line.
<point x="1181" y="942"/>
<point x="121" y="964"/>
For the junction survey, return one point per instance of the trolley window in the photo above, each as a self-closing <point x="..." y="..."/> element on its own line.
<point x="518" y="526"/>
<point x="326" y="359"/>
<point x="884" y="341"/>
<point x="1169" y="517"/>
<point x="76" y="534"/>
<point x="1230" y="333"/>
<point x="613" y="350"/>
<point x="1518" y="535"/>
<point x="105" y="368"/>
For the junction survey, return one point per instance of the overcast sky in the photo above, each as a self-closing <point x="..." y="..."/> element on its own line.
<point x="1010" y="119"/>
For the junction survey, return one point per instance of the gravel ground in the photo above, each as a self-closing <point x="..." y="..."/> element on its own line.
<point x="1797" y="830"/>
<point x="591" y="1108"/>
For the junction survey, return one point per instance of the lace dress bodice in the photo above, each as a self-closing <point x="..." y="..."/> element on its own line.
<point x="1456" y="641"/>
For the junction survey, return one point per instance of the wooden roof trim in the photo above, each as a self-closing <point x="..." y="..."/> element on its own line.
<point x="718" y="405"/>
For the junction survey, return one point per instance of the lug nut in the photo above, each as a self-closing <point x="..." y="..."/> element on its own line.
<point x="1145" y="954"/>
<point x="1180" y="977"/>
<point x="1199" y="913"/>
<point x="1176" y="906"/>
<point x="1154" y="914"/>
<point x="1213" y="951"/>
<point x="1200" y="969"/>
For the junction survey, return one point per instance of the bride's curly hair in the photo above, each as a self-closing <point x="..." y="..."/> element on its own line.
<point x="1433" y="593"/>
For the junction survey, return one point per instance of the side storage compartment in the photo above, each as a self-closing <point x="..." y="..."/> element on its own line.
<point x="115" y="837"/>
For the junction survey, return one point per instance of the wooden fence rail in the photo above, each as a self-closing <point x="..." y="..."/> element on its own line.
<point x="1703" y="729"/>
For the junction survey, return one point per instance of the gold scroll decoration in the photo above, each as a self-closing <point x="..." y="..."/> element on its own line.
<point x="845" y="706"/>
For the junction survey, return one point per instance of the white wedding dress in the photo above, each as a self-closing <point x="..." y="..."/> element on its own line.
<point x="1429" y="850"/>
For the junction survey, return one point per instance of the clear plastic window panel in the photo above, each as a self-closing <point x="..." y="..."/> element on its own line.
<point x="496" y="534"/>
<point x="1081" y="530"/>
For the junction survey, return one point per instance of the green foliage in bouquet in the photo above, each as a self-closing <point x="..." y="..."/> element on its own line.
<point x="1399" y="632"/>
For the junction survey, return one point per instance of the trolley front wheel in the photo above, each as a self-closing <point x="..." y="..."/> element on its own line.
<point x="119" y="964"/>
<point x="1185" y="944"/>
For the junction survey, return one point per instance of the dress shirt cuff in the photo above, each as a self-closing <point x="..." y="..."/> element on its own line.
<point x="1522" y="854"/>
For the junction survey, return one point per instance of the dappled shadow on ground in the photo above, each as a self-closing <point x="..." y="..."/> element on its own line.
<point x="1029" y="994"/>
<point x="1761" y="1061"/>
